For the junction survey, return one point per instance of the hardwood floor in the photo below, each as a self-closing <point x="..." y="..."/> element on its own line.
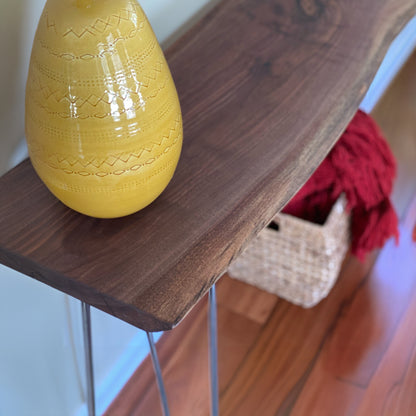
<point x="353" y="354"/>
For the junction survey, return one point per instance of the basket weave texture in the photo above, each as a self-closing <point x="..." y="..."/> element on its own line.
<point x="301" y="261"/>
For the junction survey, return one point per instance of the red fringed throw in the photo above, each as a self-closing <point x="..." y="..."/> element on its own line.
<point x="362" y="166"/>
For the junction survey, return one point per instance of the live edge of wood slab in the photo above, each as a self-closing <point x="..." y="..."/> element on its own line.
<point x="266" y="87"/>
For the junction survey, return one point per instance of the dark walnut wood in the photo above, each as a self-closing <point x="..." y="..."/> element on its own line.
<point x="355" y="350"/>
<point x="266" y="88"/>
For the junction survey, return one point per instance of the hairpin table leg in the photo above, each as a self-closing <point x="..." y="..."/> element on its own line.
<point x="86" y="326"/>
<point x="158" y="373"/>
<point x="213" y="351"/>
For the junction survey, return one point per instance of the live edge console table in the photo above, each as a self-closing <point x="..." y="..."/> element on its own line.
<point x="266" y="88"/>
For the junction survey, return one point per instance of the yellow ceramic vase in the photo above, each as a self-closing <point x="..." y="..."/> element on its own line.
<point x="103" y="120"/>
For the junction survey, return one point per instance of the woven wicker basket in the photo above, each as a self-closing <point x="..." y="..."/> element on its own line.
<point x="301" y="261"/>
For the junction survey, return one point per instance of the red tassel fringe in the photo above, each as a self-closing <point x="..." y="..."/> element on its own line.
<point x="362" y="166"/>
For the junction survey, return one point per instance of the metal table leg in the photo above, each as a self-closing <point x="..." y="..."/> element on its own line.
<point x="89" y="368"/>
<point x="213" y="351"/>
<point x="158" y="373"/>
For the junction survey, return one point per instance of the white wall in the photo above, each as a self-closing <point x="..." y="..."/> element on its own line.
<point x="399" y="51"/>
<point x="14" y="30"/>
<point x="41" y="356"/>
<point x="37" y="372"/>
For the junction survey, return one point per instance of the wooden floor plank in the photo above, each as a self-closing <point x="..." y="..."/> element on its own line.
<point x="245" y="299"/>
<point x="183" y="354"/>
<point x="391" y="392"/>
<point x="357" y="346"/>
<point x="334" y="398"/>
<point x="401" y="400"/>
<point x="286" y="350"/>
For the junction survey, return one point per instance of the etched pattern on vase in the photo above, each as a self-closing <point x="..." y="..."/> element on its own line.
<point x="103" y="119"/>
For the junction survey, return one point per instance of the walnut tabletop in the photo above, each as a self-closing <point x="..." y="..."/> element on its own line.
<point x="266" y="87"/>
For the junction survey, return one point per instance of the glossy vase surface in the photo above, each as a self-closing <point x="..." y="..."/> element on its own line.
<point x="103" y="119"/>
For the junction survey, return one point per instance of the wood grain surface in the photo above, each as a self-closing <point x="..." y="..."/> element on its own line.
<point x="266" y="88"/>
<point x="363" y="361"/>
